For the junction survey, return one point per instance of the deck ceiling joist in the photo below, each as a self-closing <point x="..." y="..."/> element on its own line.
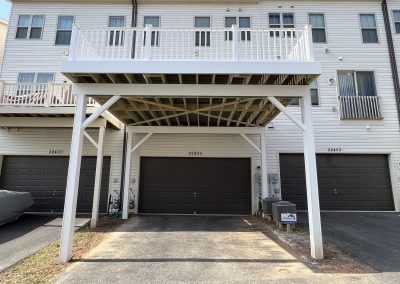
<point x="204" y="111"/>
<point x="219" y="79"/>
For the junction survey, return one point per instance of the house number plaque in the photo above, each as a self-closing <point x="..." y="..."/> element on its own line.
<point x="195" y="154"/>
<point x="56" y="152"/>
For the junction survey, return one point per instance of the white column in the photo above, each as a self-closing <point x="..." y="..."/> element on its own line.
<point x="127" y="179"/>
<point x="264" y="175"/>
<point x="97" y="181"/>
<point x="74" y="168"/>
<point x="314" y="218"/>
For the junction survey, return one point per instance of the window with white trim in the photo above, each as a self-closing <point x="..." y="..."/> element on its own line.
<point x="26" y="82"/>
<point x="396" y="19"/>
<point x="202" y="38"/>
<point x="356" y="83"/>
<point x="41" y="78"/>
<point x="116" y="37"/>
<point x="368" y="28"/>
<point x="281" y="21"/>
<point x="30" y="26"/>
<point x="64" y="30"/>
<point x="244" y="23"/>
<point x="154" y="21"/>
<point x="317" y="21"/>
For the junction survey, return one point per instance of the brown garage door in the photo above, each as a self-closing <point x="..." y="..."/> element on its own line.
<point x="346" y="182"/>
<point x="46" y="178"/>
<point x="195" y="185"/>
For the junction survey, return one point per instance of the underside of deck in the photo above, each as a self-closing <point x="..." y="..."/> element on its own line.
<point x="200" y="111"/>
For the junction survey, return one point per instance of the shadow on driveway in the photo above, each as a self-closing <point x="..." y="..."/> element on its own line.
<point x="371" y="238"/>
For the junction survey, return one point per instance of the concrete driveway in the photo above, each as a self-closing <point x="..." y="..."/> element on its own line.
<point x="29" y="234"/>
<point x="194" y="249"/>
<point x="371" y="238"/>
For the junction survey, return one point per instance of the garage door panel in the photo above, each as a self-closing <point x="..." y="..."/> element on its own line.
<point x="346" y="182"/>
<point x="168" y="185"/>
<point x="45" y="177"/>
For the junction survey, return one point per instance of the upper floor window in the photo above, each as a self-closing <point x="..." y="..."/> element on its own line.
<point x="281" y="20"/>
<point x="27" y="80"/>
<point x="396" y="19"/>
<point x="202" y="38"/>
<point x="368" y="28"/>
<point x="154" y="21"/>
<point x="244" y="23"/>
<point x="317" y="21"/>
<point x="356" y="83"/>
<point x="41" y="78"/>
<point x="64" y="30"/>
<point x="30" y="26"/>
<point x="116" y="37"/>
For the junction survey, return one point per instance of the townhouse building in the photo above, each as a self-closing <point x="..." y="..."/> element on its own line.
<point x="201" y="107"/>
<point x="3" y="34"/>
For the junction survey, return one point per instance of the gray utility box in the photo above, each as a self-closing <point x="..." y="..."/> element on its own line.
<point x="267" y="204"/>
<point x="282" y="207"/>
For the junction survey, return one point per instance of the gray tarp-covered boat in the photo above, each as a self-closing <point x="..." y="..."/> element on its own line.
<point x="13" y="204"/>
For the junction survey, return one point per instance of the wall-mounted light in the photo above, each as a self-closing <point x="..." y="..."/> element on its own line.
<point x="280" y="6"/>
<point x="326" y="50"/>
<point x="340" y="58"/>
<point x="228" y="10"/>
<point x="240" y="9"/>
<point x="331" y="81"/>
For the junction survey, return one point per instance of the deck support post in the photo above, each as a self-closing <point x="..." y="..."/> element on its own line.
<point x="264" y="175"/>
<point x="97" y="181"/>
<point x="314" y="218"/>
<point x="74" y="168"/>
<point x="127" y="177"/>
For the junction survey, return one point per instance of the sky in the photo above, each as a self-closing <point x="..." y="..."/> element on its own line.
<point x="5" y="8"/>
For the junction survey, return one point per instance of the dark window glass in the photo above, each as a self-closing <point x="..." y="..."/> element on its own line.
<point x="366" y="83"/>
<point x="116" y="36"/>
<point x="202" y="38"/>
<point x="317" y="21"/>
<point x="244" y="23"/>
<point x="154" y="21"/>
<point x="64" y="30"/>
<point x="368" y="27"/>
<point x="396" y="18"/>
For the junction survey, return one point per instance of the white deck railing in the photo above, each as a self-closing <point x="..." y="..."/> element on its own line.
<point x="231" y="44"/>
<point x="36" y="94"/>
<point x="359" y="107"/>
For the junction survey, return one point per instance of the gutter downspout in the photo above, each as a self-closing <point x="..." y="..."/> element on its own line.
<point x="133" y="24"/>
<point x="392" y="56"/>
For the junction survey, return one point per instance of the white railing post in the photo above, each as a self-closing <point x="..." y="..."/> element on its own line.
<point x="147" y="50"/>
<point x="309" y="42"/>
<point x="74" y="42"/>
<point x="1" y="91"/>
<point x="235" y="43"/>
<point x="49" y="93"/>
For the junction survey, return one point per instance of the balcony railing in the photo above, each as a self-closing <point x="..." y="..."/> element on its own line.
<point x="231" y="44"/>
<point x="360" y="107"/>
<point x="36" y="94"/>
